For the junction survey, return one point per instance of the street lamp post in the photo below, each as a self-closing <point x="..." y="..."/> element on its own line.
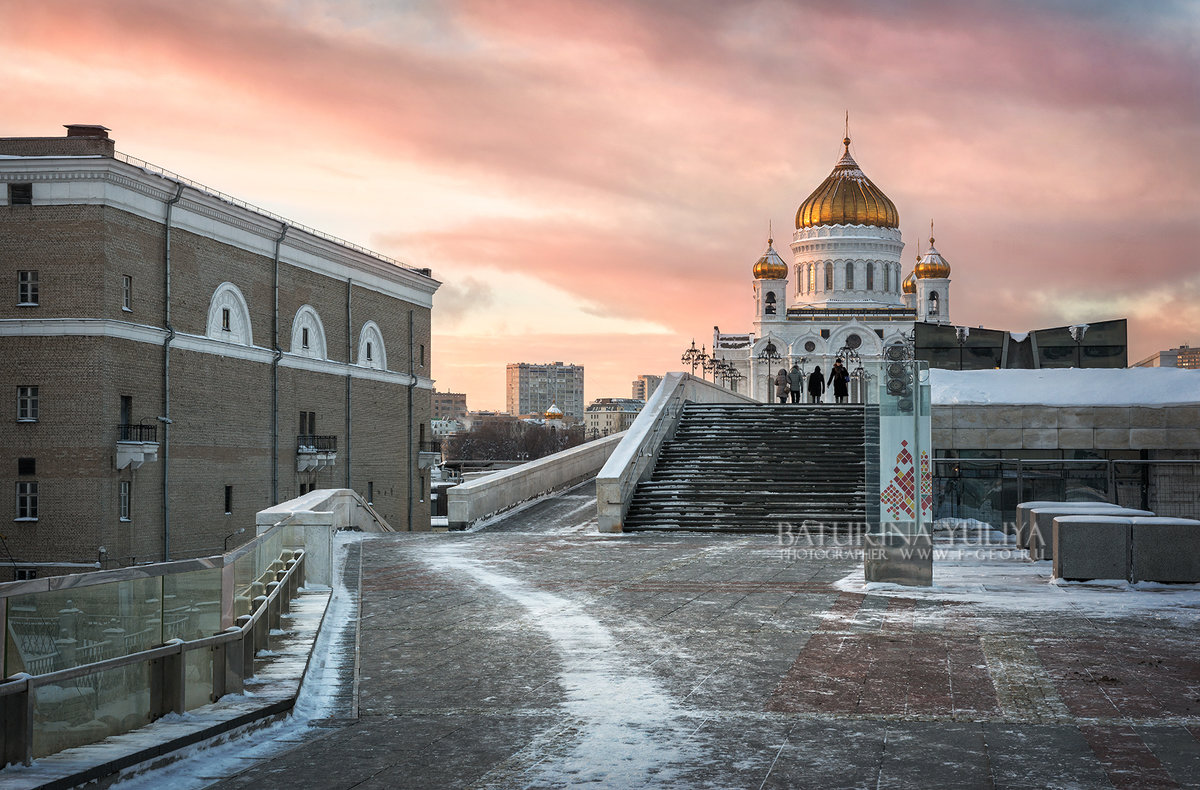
<point x="770" y="355"/>
<point x="693" y="356"/>
<point x="709" y="364"/>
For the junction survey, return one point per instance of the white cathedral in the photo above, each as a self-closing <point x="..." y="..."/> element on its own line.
<point x="845" y="296"/>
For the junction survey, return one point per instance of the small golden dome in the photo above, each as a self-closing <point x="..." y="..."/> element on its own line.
<point x="933" y="265"/>
<point x="770" y="266"/>
<point x="847" y="197"/>
<point x="909" y="286"/>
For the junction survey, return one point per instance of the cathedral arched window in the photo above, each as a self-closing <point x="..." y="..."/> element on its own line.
<point x="769" y="305"/>
<point x="870" y="276"/>
<point x="812" y="277"/>
<point x="228" y="316"/>
<point x="828" y="276"/>
<point x="308" y="333"/>
<point x="933" y="303"/>
<point x="849" y="275"/>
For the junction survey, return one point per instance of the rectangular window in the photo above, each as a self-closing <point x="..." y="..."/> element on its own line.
<point x="25" y="574"/>
<point x="225" y="318"/>
<point x="27" y="501"/>
<point x="27" y="404"/>
<point x="368" y="350"/>
<point x="26" y="466"/>
<point x="228" y="500"/>
<point x="127" y="297"/>
<point x="20" y="194"/>
<point x="308" y="423"/>
<point x="422" y="355"/>
<point x="370" y="492"/>
<point x="304" y="337"/>
<point x="27" y="287"/>
<point x="123" y="498"/>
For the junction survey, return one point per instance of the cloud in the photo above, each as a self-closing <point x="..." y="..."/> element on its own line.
<point x="454" y="299"/>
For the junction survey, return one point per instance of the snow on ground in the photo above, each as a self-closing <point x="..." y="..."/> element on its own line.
<point x="204" y="763"/>
<point x="980" y="567"/>
<point x="1066" y="387"/>
<point x="624" y="730"/>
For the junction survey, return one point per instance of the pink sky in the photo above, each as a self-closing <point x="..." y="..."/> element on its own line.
<point x="593" y="180"/>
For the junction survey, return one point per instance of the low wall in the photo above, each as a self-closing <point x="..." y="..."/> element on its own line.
<point x="321" y="513"/>
<point x="634" y="459"/>
<point x="477" y="499"/>
<point x="1026" y="427"/>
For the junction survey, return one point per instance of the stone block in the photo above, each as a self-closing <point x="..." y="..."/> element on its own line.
<point x="1076" y="417"/>
<point x="1110" y="417"/>
<point x="1041" y="523"/>
<point x="1091" y="547"/>
<point x="1039" y="417"/>
<point x="1004" y="439"/>
<point x="1182" y="416"/>
<point x="1166" y="550"/>
<point x="970" y="417"/>
<point x="1147" y="417"/>
<point x="1147" y="438"/>
<point x="942" y="438"/>
<point x="1005" y="417"/>
<point x="942" y="417"/>
<point x="970" y="438"/>
<point x="1182" y="438"/>
<point x="1075" y="438"/>
<point x="1039" y="438"/>
<point x="1111" y="438"/>
<point x="1021" y="526"/>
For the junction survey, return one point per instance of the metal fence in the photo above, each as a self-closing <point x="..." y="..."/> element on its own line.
<point x="990" y="489"/>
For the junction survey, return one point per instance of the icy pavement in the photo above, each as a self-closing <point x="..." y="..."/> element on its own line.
<point x="537" y="653"/>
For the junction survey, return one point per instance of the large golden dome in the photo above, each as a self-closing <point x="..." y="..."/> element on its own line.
<point x="909" y="286"/>
<point x="770" y="266"/>
<point x="847" y="197"/>
<point x="933" y="265"/>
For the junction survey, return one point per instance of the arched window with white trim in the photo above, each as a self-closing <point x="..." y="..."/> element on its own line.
<point x="308" y="334"/>
<point x="371" y="353"/>
<point x="228" y="316"/>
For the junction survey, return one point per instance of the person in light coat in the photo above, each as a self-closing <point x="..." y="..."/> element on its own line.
<point x="796" y="382"/>
<point x="782" y="386"/>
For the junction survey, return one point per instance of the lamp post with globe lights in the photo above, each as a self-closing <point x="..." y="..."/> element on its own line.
<point x="769" y="355"/>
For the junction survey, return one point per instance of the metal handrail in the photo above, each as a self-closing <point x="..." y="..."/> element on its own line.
<point x="172" y="647"/>
<point x="137" y="433"/>
<point x="312" y="443"/>
<point x="162" y="171"/>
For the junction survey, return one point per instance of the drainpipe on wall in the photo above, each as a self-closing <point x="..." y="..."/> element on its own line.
<point x="349" y="362"/>
<point x="275" y="376"/>
<point x="166" y="385"/>
<point x="412" y="382"/>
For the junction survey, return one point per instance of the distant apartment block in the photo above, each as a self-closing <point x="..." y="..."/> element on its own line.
<point x="532" y="389"/>
<point x="645" y="385"/>
<point x="1183" y="357"/>
<point x="606" y="416"/>
<point x="449" y="405"/>
<point x="177" y="360"/>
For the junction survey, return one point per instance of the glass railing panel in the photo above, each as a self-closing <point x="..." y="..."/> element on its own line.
<point x="244" y="574"/>
<point x="91" y="708"/>
<point x="192" y="604"/>
<point x="197" y="678"/>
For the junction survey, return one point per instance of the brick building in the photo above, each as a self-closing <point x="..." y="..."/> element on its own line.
<point x="449" y="405"/>
<point x="181" y="360"/>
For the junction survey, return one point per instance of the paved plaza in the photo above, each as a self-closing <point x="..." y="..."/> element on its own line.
<point x="537" y="653"/>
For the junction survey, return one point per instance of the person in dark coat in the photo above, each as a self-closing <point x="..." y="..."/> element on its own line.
<point x="782" y="387"/>
<point x="796" y="382"/>
<point x="840" y="378"/>
<point x="816" y="385"/>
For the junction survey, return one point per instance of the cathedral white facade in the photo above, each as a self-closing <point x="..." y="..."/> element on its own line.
<point x="843" y="294"/>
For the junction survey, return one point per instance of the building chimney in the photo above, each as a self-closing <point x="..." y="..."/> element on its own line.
<point x="87" y="130"/>
<point x="83" y="139"/>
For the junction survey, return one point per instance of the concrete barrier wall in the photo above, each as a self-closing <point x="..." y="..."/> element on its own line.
<point x="1009" y="427"/>
<point x="477" y="499"/>
<point x="634" y="459"/>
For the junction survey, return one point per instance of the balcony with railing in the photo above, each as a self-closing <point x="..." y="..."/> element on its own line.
<point x="429" y="453"/>
<point x="315" y="452"/>
<point x="136" y="444"/>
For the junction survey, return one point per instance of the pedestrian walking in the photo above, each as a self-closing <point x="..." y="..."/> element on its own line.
<point x="782" y="387"/>
<point x="840" y="378"/>
<point x="816" y="385"/>
<point x="796" y="382"/>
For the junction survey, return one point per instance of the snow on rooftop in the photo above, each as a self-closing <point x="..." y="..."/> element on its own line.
<point x="1067" y="387"/>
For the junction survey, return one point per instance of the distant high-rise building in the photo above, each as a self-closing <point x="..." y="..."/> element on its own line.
<point x="610" y="415"/>
<point x="532" y="389"/>
<point x="1183" y="357"/>
<point x="645" y="385"/>
<point x="449" y="405"/>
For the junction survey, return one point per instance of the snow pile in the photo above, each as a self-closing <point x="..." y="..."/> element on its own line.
<point x="1067" y="387"/>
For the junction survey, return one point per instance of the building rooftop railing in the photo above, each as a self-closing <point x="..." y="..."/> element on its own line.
<point x="162" y="171"/>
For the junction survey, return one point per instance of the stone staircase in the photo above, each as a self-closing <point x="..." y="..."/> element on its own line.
<point x="736" y="468"/>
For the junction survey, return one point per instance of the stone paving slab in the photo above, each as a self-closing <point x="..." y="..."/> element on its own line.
<point x="531" y="654"/>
